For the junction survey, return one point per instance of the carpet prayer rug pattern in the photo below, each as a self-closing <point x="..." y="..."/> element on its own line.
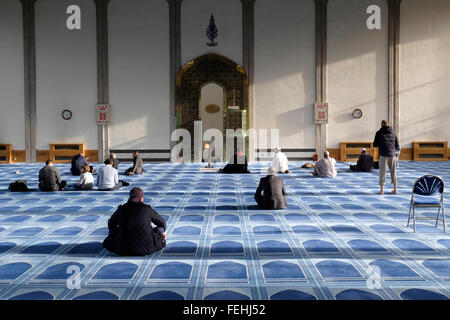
<point x="337" y="239"/>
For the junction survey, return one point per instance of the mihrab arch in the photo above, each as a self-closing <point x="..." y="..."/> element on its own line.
<point x="208" y="68"/>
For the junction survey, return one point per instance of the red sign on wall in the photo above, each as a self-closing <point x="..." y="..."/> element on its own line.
<point x="321" y="113"/>
<point x="103" y="114"/>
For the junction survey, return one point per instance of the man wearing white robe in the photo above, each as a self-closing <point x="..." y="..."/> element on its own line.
<point x="280" y="162"/>
<point x="325" y="168"/>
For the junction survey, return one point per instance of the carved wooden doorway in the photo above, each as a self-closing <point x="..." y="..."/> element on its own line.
<point x="205" y="69"/>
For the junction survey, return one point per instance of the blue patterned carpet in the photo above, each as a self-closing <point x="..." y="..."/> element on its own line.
<point x="328" y="244"/>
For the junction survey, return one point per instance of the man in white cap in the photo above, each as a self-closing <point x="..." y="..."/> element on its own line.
<point x="280" y="162"/>
<point x="365" y="162"/>
<point x="272" y="187"/>
<point x="325" y="168"/>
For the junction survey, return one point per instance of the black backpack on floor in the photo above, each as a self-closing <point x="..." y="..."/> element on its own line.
<point x="19" y="186"/>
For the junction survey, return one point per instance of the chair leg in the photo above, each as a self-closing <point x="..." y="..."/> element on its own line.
<point x="443" y="216"/>
<point x="409" y="216"/>
<point x="414" y="219"/>
<point x="437" y="218"/>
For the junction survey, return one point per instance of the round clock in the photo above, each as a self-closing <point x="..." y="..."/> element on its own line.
<point x="357" y="113"/>
<point x="67" y="114"/>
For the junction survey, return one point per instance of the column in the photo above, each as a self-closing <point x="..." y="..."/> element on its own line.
<point x="29" y="38"/>
<point x="321" y="71"/>
<point x="394" y="36"/>
<point x="248" y="36"/>
<point x="102" y="72"/>
<point x="175" y="56"/>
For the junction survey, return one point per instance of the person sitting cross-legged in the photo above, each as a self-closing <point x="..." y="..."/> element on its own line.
<point x="115" y="161"/>
<point x="325" y="168"/>
<point x="86" y="179"/>
<point x="50" y="178"/>
<point x="130" y="228"/>
<point x="365" y="162"/>
<point x="138" y="165"/>
<point x="274" y="195"/>
<point x="108" y="178"/>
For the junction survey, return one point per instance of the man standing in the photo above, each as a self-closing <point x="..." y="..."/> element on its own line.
<point x="138" y="165"/>
<point x="387" y="144"/>
<point x="280" y="161"/>
<point x="130" y="228"/>
<point x="108" y="177"/>
<point x="365" y="162"/>
<point x="50" y="178"/>
<point x="272" y="187"/>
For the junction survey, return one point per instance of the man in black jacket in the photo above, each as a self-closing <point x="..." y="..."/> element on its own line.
<point x="78" y="163"/>
<point x="274" y="196"/>
<point x="388" y="147"/>
<point x="130" y="228"/>
<point x="138" y="165"/>
<point x="365" y="162"/>
<point x="50" y="178"/>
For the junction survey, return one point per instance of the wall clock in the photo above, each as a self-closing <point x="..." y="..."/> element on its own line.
<point x="357" y="113"/>
<point x="66" y="114"/>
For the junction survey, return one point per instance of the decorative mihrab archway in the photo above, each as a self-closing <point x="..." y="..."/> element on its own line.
<point x="209" y="68"/>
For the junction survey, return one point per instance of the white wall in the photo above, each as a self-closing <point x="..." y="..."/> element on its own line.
<point x="424" y="71"/>
<point x="357" y="71"/>
<point x="195" y="15"/>
<point x="12" y="112"/>
<point x="139" y="74"/>
<point x="284" y="90"/>
<point x="66" y="74"/>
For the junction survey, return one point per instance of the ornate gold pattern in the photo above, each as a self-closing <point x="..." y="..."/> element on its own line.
<point x="210" y="67"/>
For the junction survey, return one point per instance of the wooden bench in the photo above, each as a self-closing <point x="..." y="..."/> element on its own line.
<point x="430" y="151"/>
<point x="64" y="152"/>
<point x="5" y="153"/>
<point x="350" y="151"/>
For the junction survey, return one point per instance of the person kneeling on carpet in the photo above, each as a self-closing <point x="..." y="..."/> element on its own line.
<point x="130" y="228"/>
<point x="50" y="178"/>
<point x="237" y="164"/>
<point x="280" y="161"/>
<point x="138" y="165"/>
<point x="108" y="178"/>
<point x="274" y="196"/>
<point x="364" y="164"/>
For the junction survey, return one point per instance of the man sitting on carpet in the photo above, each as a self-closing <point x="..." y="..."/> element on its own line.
<point x="365" y="162"/>
<point x="274" y="196"/>
<point x="130" y="228"/>
<point x="280" y="162"/>
<point x="325" y="168"/>
<point x="78" y="163"/>
<point x="115" y="161"/>
<point x="50" y="178"/>
<point x="108" y="178"/>
<point x="138" y="165"/>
